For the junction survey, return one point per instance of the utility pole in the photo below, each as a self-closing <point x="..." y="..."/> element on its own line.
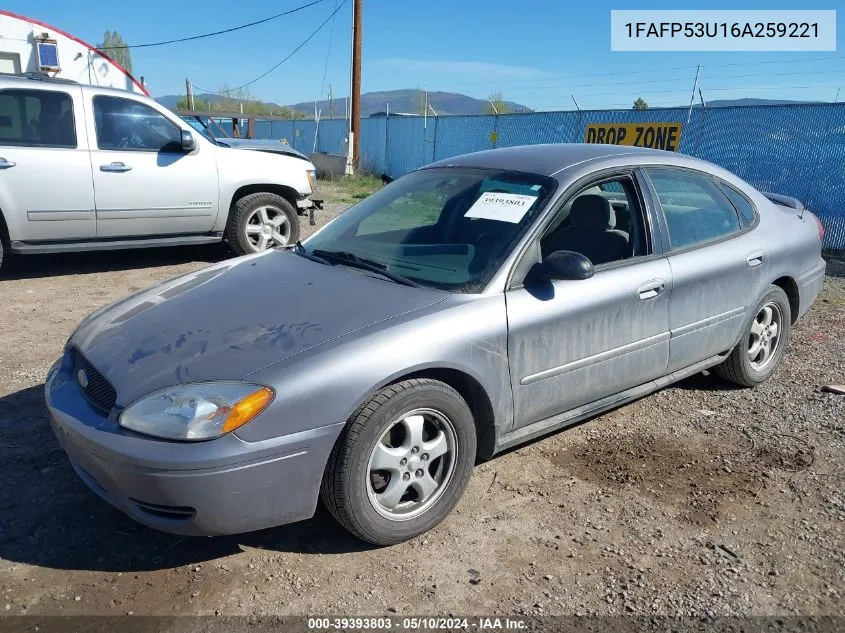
<point x="189" y="94"/>
<point x="331" y="108"/>
<point x="356" y="79"/>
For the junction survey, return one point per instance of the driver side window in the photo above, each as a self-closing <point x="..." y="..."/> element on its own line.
<point x="603" y="221"/>
<point x="126" y="124"/>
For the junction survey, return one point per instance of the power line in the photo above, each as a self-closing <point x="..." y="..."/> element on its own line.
<point x="328" y="55"/>
<point x="666" y="80"/>
<point x="685" y="90"/>
<point x="203" y="35"/>
<point x="287" y="57"/>
<point x="655" y="70"/>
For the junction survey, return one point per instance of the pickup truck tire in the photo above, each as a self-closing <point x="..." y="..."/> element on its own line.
<point x="260" y="221"/>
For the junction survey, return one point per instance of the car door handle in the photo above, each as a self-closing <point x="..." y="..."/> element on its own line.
<point x="115" y="167"/>
<point x="6" y="164"/>
<point x="651" y="289"/>
<point x="754" y="258"/>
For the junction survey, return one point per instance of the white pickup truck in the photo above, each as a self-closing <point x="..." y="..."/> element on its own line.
<point x="90" y="168"/>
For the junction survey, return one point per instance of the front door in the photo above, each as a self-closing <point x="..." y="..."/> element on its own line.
<point x="717" y="263"/>
<point x="572" y="342"/>
<point x="144" y="183"/>
<point x="45" y="171"/>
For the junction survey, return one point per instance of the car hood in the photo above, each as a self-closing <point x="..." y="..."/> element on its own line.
<point x="276" y="147"/>
<point x="234" y="318"/>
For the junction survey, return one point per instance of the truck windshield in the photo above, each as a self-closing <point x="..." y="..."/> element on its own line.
<point x="447" y="228"/>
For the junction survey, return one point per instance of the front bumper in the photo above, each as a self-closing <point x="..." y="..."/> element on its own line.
<point x="222" y="486"/>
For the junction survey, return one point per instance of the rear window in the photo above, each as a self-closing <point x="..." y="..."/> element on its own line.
<point x="36" y="118"/>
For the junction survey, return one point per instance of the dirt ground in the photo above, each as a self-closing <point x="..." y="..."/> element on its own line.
<point x="701" y="499"/>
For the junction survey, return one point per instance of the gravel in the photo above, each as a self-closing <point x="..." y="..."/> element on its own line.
<point x="699" y="500"/>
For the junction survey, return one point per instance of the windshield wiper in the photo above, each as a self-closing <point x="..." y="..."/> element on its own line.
<point x="300" y="250"/>
<point x="351" y="259"/>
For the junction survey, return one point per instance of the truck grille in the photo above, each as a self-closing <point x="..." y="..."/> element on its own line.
<point x="93" y="384"/>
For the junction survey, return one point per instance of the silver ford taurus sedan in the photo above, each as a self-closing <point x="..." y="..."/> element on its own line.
<point x="465" y="308"/>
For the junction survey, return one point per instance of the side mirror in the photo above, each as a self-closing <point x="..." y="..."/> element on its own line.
<point x="562" y="265"/>
<point x="189" y="143"/>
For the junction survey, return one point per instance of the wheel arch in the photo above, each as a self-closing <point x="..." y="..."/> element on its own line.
<point x="288" y="193"/>
<point x="4" y="230"/>
<point x="790" y="287"/>
<point x="473" y="394"/>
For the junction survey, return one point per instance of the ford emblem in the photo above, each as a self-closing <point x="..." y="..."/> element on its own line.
<point x="82" y="377"/>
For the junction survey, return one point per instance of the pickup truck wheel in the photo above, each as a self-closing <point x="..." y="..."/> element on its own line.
<point x="1" y="252"/>
<point x="402" y="462"/>
<point x="260" y="221"/>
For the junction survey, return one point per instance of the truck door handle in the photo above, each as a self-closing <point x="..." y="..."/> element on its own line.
<point x="115" y="167"/>
<point x="651" y="289"/>
<point x="6" y="164"/>
<point x="754" y="258"/>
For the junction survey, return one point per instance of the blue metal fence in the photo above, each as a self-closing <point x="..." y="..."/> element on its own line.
<point x="797" y="150"/>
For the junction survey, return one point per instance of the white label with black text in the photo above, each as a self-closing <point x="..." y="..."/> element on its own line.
<point x="505" y="207"/>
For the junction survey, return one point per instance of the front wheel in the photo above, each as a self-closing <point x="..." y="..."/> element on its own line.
<point x="260" y="221"/>
<point x="763" y="344"/>
<point x="402" y="463"/>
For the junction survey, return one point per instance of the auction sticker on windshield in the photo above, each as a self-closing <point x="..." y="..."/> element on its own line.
<point x="654" y="135"/>
<point x="505" y="207"/>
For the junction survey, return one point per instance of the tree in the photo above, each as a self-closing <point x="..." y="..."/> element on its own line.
<point x="496" y="104"/>
<point x="114" y="46"/>
<point x="640" y="104"/>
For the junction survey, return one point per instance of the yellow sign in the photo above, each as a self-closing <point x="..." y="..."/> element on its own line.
<point x="654" y="135"/>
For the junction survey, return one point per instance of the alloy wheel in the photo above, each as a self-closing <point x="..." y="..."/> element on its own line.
<point x="266" y="227"/>
<point x="412" y="464"/>
<point x="764" y="337"/>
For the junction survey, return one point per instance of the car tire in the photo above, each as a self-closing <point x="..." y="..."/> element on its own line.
<point x="396" y="428"/>
<point x="260" y="221"/>
<point x="1" y="252"/>
<point x="761" y="348"/>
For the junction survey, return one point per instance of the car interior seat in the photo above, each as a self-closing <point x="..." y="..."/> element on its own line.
<point x="591" y="232"/>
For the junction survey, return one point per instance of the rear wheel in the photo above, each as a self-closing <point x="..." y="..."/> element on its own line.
<point x="763" y="344"/>
<point x="402" y="463"/>
<point x="260" y="221"/>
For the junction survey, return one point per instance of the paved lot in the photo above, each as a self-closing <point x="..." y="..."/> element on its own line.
<point x="699" y="499"/>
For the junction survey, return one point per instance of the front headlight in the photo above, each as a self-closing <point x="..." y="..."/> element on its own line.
<point x="312" y="179"/>
<point x="198" y="411"/>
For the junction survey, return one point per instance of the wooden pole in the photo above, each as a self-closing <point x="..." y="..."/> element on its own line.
<point x="356" y="79"/>
<point x="189" y="94"/>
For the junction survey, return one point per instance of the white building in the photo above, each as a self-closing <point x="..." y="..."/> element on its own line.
<point x="29" y="46"/>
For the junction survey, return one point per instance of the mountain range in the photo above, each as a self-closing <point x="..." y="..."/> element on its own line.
<point x="406" y="101"/>
<point x="445" y="103"/>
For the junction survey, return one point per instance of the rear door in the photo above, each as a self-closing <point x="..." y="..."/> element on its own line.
<point x="46" y="191"/>
<point x="144" y="183"/>
<point x="717" y="259"/>
<point x="571" y="343"/>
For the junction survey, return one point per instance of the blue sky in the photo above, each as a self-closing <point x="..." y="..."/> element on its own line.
<point x="535" y="52"/>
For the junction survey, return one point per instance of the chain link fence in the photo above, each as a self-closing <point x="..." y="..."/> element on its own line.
<point x="797" y="150"/>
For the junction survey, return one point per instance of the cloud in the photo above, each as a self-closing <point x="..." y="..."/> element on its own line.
<point x="453" y="67"/>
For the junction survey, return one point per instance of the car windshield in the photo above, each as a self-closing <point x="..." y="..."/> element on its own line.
<point x="447" y="228"/>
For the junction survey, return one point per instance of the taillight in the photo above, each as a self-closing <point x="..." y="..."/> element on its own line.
<point x="821" y="228"/>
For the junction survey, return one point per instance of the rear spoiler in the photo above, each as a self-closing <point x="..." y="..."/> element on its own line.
<point x="785" y="201"/>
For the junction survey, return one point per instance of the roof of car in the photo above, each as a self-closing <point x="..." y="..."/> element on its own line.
<point x="546" y="160"/>
<point x="36" y="77"/>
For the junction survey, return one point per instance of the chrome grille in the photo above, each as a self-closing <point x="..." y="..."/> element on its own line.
<point x="98" y="390"/>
